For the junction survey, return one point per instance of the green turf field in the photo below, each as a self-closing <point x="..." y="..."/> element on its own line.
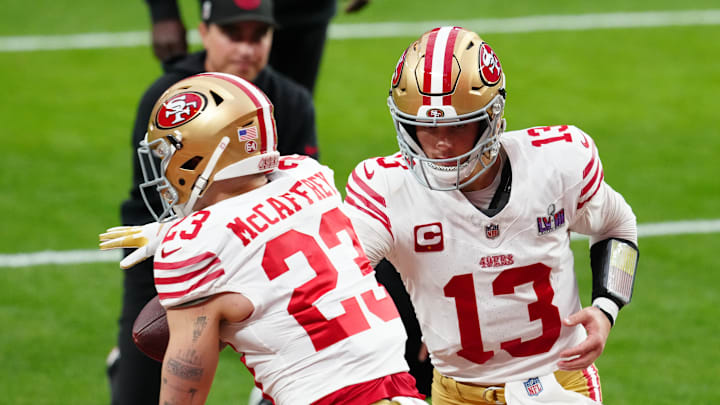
<point x="646" y="95"/>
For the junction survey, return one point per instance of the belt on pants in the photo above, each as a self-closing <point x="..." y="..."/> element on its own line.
<point x="492" y="394"/>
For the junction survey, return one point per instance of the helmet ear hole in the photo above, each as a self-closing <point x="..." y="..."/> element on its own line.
<point x="181" y="182"/>
<point x="217" y="98"/>
<point x="191" y="164"/>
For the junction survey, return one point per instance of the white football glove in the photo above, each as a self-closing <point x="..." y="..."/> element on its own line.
<point x="145" y="238"/>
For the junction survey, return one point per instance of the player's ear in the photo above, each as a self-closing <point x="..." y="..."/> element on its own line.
<point x="203" y="30"/>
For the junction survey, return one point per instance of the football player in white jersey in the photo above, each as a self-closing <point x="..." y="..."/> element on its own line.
<point x="255" y="251"/>
<point x="477" y="222"/>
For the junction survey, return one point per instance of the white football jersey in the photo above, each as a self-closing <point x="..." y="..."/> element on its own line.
<point x="489" y="292"/>
<point x="321" y="321"/>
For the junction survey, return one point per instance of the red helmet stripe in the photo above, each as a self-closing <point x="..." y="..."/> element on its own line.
<point x="427" y="77"/>
<point x="437" y="77"/>
<point x="263" y="104"/>
<point x="448" y="64"/>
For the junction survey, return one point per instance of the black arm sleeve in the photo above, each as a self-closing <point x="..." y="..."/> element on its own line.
<point x="619" y="287"/>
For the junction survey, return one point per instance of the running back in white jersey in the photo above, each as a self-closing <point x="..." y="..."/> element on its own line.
<point x="321" y="321"/>
<point x="489" y="292"/>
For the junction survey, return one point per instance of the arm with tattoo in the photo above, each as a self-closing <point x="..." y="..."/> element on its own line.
<point x="192" y="354"/>
<point x="193" y="350"/>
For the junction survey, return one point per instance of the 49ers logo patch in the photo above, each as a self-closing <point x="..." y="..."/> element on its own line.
<point x="180" y="109"/>
<point x="398" y="70"/>
<point x="490" y="69"/>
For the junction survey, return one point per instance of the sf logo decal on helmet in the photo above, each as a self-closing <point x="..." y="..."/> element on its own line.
<point x="180" y="109"/>
<point x="435" y="113"/>
<point x="398" y="70"/>
<point x="490" y="69"/>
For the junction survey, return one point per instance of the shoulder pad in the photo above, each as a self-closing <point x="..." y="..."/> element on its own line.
<point x="186" y="266"/>
<point x="572" y="153"/>
<point x="377" y="172"/>
<point x="289" y="162"/>
<point x="559" y="140"/>
<point x="371" y="182"/>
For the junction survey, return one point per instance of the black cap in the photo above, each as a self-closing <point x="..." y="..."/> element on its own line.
<point x="229" y="11"/>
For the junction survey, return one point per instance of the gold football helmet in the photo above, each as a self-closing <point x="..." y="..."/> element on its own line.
<point x="208" y="127"/>
<point x="449" y="76"/>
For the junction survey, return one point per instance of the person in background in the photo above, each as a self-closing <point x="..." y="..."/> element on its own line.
<point x="299" y="38"/>
<point x="237" y="41"/>
<point x="477" y="222"/>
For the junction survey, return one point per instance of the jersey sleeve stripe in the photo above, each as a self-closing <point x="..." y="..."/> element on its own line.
<point x="367" y="189"/>
<point x="590" y="164"/>
<point x="590" y="184"/>
<point x="386" y="224"/>
<point x="175" y="294"/>
<point x="367" y="203"/>
<point x="187" y="276"/>
<point x="184" y="263"/>
<point x="598" y="184"/>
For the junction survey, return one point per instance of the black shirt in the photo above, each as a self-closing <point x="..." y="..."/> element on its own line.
<point x="294" y="117"/>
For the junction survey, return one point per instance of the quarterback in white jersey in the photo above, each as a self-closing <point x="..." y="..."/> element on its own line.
<point x="478" y="224"/>
<point x="256" y="252"/>
<point x="513" y="269"/>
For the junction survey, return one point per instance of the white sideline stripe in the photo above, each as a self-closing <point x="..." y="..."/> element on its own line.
<point x="667" y="228"/>
<point x="641" y="19"/>
<point x="533" y="23"/>
<point x="59" y="257"/>
<point x="97" y="256"/>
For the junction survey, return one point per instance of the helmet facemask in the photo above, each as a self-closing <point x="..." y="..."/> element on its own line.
<point x="436" y="174"/>
<point x="157" y="180"/>
<point x="154" y="177"/>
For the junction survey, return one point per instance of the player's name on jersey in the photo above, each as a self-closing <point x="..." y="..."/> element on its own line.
<point x="303" y="193"/>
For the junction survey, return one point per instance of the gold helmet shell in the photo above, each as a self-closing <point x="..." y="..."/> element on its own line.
<point x="449" y="76"/>
<point x="208" y="127"/>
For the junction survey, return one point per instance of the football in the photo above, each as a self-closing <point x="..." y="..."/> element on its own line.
<point x="150" y="330"/>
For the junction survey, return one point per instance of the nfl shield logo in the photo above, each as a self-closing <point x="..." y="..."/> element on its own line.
<point x="533" y="386"/>
<point x="492" y="231"/>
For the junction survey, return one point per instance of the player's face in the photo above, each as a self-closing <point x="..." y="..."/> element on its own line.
<point x="447" y="141"/>
<point x="241" y="48"/>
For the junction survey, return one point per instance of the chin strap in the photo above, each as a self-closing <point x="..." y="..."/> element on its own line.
<point x="202" y="181"/>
